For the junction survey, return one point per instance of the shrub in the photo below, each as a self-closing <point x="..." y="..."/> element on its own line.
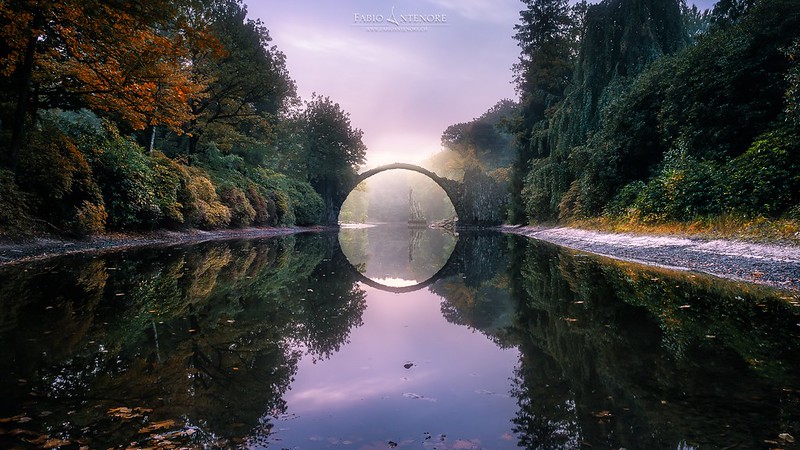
<point x="15" y="215"/>
<point x="204" y="208"/>
<point x="89" y="219"/>
<point x="683" y="189"/>
<point x="241" y="211"/>
<point x="128" y="182"/>
<point x="296" y="202"/>
<point x="308" y="206"/>
<point x="766" y="178"/>
<point x="61" y="179"/>
<point x="260" y="205"/>
<point x="169" y="185"/>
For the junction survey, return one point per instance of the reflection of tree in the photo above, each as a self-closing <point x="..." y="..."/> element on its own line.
<point x="614" y="355"/>
<point x="479" y="296"/>
<point x="202" y="339"/>
<point x="332" y="306"/>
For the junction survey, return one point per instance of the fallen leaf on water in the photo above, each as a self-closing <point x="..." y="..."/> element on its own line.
<point x="157" y="426"/>
<point x="53" y="443"/>
<point x="126" y="413"/>
<point x="19" y="419"/>
<point x="18" y="431"/>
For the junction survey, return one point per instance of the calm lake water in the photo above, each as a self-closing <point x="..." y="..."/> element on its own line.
<point x="390" y="338"/>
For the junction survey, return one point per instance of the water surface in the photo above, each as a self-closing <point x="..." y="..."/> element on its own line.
<point x="287" y="343"/>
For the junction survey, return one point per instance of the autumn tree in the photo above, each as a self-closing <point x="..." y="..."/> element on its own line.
<point x="123" y="60"/>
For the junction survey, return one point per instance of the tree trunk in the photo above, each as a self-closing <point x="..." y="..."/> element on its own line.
<point x="23" y="102"/>
<point x="152" y="140"/>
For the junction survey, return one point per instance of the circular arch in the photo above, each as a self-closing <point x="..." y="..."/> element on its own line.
<point x="451" y="267"/>
<point x="450" y="187"/>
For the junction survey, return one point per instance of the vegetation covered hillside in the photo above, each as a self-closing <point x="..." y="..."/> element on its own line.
<point x="651" y="111"/>
<point x="159" y="113"/>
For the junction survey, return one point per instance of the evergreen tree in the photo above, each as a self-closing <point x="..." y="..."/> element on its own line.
<point x="542" y="74"/>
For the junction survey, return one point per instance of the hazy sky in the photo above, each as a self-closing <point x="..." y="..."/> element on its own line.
<point x="402" y="84"/>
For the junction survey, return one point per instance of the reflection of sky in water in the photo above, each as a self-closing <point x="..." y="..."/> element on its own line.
<point x="458" y="385"/>
<point x="394" y="252"/>
<point x="396" y="282"/>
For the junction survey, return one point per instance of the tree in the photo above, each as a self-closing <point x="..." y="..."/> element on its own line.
<point x="124" y="60"/>
<point x="331" y="151"/>
<point x="246" y="80"/>
<point x="546" y="35"/>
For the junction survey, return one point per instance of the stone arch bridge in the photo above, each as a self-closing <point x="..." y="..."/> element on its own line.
<point x="453" y="189"/>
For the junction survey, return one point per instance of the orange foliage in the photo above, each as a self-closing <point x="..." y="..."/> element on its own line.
<point x="129" y="59"/>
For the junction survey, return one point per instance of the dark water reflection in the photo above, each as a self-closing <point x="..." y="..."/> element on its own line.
<point x="275" y="344"/>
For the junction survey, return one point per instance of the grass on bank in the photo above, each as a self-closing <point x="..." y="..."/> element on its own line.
<point x="758" y="229"/>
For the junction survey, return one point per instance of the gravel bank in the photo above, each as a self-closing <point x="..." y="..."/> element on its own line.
<point x="771" y="264"/>
<point x="12" y="252"/>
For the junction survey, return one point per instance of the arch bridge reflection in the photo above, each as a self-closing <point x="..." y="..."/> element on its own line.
<point x="453" y="266"/>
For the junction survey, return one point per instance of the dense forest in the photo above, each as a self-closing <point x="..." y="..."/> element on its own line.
<point x="647" y="111"/>
<point x="180" y="114"/>
<point x="159" y="113"/>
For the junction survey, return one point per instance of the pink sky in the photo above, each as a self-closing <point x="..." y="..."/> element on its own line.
<point x="401" y="87"/>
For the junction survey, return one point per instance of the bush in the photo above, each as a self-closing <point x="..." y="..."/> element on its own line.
<point x="296" y="202"/>
<point x="242" y="212"/>
<point x="204" y="208"/>
<point x="261" y="205"/>
<point x="89" y="219"/>
<point x="766" y="178"/>
<point x="308" y="206"/>
<point x="15" y="215"/>
<point x="169" y="186"/>
<point x="128" y="183"/>
<point x="61" y="180"/>
<point x="622" y="205"/>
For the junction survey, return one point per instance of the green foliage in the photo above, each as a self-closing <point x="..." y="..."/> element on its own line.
<point x="656" y="137"/>
<point x="331" y="151"/>
<point x="169" y="187"/>
<point x="766" y="178"/>
<point x="210" y="91"/>
<point x="792" y="95"/>
<point x="484" y="197"/>
<point x="127" y="180"/>
<point x="296" y="201"/>
<point x="248" y="83"/>
<point x="684" y="189"/>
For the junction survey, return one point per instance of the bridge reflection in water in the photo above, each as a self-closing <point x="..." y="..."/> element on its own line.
<point x="394" y="258"/>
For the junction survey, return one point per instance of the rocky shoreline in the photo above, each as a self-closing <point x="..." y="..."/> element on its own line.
<point x="776" y="265"/>
<point x="18" y="251"/>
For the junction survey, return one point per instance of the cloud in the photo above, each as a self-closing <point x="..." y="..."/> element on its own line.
<point x="340" y="46"/>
